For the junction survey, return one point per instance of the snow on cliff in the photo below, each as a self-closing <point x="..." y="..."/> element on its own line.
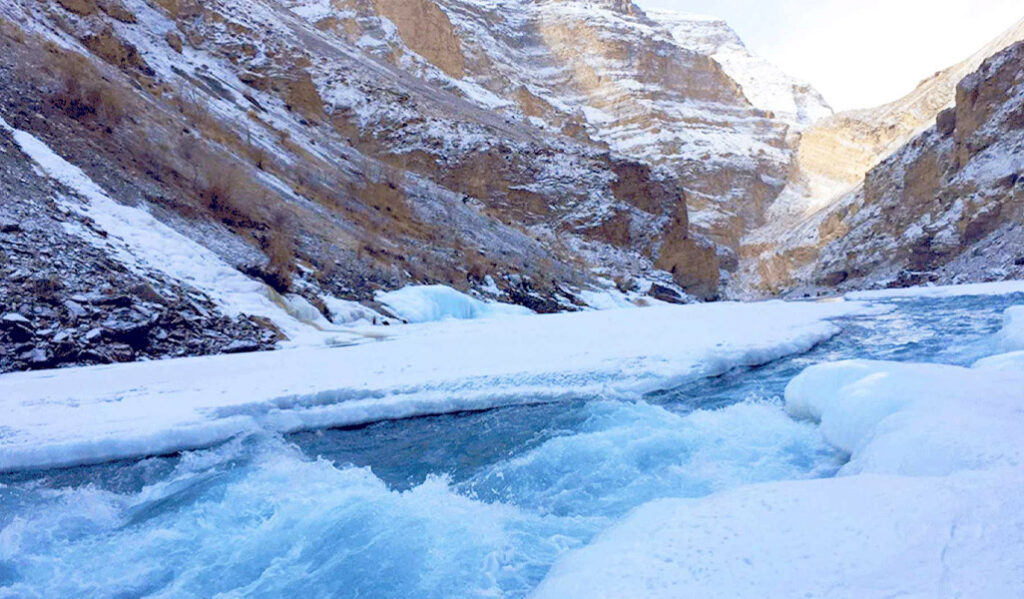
<point x="765" y="85"/>
<point x="139" y="239"/>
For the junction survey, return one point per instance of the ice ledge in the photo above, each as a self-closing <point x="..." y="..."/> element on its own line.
<point x="87" y="415"/>
<point x="936" y="291"/>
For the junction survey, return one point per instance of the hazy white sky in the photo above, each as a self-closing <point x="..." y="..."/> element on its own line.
<point x="860" y="53"/>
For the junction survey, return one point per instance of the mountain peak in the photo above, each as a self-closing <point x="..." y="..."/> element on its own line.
<point x="765" y="85"/>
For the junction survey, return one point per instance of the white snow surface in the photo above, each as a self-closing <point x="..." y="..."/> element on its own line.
<point x="993" y="288"/>
<point x="429" y="303"/>
<point x="94" y="414"/>
<point x="1009" y="361"/>
<point x="929" y="504"/>
<point x="914" y="419"/>
<point x="863" y="537"/>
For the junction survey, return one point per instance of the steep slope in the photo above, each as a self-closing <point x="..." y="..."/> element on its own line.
<point x="833" y="158"/>
<point x="949" y="206"/>
<point x="66" y="300"/>
<point x="316" y="164"/>
<point x="610" y="75"/>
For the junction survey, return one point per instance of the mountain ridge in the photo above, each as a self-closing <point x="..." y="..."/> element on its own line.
<point x="527" y="151"/>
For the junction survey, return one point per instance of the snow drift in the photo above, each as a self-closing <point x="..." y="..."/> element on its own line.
<point x="936" y="291"/>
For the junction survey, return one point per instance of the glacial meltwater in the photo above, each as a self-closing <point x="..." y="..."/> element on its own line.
<point x="454" y="506"/>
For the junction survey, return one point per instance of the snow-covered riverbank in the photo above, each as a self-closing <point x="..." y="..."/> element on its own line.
<point x="87" y="415"/>
<point x="928" y="505"/>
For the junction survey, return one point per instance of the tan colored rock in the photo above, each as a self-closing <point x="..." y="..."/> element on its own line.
<point x="426" y="30"/>
<point x="693" y="265"/>
<point x="116" y="51"/>
<point x="174" y="41"/>
<point x="80" y="7"/>
<point x="180" y="9"/>
<point x="301" y="95"/>
<point x="117" y="11"/>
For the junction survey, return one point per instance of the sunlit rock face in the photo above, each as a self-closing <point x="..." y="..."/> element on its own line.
<point x="678" y="93"/>
<point x="827" y="227"/>
<point x="763" y="84"/>
<point x="547" y="145"/>
<point x="426" y="30"/>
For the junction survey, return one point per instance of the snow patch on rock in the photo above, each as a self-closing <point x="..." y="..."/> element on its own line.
<point x="141" y="242"/>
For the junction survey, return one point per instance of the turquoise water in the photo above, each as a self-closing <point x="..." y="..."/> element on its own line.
<point x="461" y="505"/>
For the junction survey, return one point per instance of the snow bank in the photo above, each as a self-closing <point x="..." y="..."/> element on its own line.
<point x="929" y="504"/>
<point x="100" y="413"/>
<point x="1013" y="361"/>
<point x="429" y="303"/>
<point x="863" y="537"/>
<point x="914" y="419"/>
<point x="995" y="288"/>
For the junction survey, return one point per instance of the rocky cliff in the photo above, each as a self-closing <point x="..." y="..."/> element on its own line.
<point x="328" y="150"/>
<point x="841" y="163"/>
<point x="948" y="206"/>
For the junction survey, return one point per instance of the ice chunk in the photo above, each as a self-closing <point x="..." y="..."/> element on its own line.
<point x="1012" y="335"/>
<point x="429" y="303"/>
<point x="915" y="419"/>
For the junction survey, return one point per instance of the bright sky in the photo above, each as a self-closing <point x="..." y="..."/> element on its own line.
<point x="860" y="53"/>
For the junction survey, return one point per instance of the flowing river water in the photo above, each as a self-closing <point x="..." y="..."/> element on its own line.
<point x="454" y="506"/>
